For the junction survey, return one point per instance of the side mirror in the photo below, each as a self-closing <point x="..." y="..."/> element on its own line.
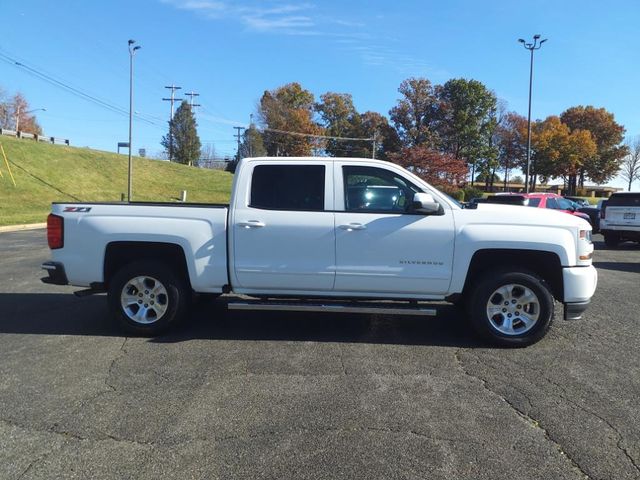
<point x="424" y="203"/>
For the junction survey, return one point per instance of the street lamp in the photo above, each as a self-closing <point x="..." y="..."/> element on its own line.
<point x="25" y="113"/>
<point x="537" y="43"/>
<point x="132" y="51"/>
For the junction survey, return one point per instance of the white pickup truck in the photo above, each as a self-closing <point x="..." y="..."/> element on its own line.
<point x="332" y="234"/>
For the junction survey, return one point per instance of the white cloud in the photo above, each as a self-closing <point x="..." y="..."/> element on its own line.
<point x="265" y="23"/>
<point x="305" y="19"/>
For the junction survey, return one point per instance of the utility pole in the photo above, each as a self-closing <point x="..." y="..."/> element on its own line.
<point x="192" y="94"/>
<point x="172" y="99"/>
<point x="132" y="52"/>
<point x="251" y="140"/>
<point x="238" y="136"/>
<point x="373" y="146"/>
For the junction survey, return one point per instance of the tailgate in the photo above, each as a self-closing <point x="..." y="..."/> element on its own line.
<point x="623" y="216"/>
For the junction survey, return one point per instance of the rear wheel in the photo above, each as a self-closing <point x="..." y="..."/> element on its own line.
<point x="147" y="297"/>
<point x="611" y="240"/>
<point x="512" y="308"/>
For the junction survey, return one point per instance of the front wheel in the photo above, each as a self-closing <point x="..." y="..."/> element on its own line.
<point x="512" y="308"/>
<point x="147" y="297"/>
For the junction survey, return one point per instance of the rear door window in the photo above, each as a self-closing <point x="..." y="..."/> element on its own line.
<point x="288" y="187"/>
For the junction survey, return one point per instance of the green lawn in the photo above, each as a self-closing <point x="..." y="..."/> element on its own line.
<point x="46" y="173"/>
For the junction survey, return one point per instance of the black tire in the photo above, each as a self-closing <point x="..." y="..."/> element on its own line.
<point x="611" y="240"/>
<point x="165" y="308"/>
<point x="518" y="284"/>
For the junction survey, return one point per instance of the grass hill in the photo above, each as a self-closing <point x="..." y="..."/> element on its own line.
<point x="45" y="173"/>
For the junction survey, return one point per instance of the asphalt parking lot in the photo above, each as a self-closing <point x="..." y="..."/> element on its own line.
<point x="255" y="395"/>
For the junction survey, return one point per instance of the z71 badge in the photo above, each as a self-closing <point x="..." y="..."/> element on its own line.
<point x="77" y="209"/>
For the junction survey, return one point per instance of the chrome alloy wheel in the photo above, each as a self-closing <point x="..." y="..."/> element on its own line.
<point x="513" y="309"/>
<point x="144" y="300"/>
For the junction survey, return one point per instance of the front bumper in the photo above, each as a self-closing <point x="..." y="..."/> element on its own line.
<point x="579" y="286"/>
<point x="579" y="283"/>
<point x="56" y="273"/>
<point x="574" y="311"/>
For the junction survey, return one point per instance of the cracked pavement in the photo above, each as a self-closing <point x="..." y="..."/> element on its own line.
<point x="285" y="395"/>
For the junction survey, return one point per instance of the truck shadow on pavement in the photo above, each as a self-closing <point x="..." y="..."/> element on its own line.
<point x="633" y="267"/>
<point x="64" y="314"/>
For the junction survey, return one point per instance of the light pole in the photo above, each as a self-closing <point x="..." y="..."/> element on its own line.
<point x="537" y="43"/>
<point x="30" y="111"/>
<point x="132" y="51"/>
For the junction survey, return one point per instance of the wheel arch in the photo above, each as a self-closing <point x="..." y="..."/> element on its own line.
<point x="546" y="265"/>
<point x="118" y="254"/>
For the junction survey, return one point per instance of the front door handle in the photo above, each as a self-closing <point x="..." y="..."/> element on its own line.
<point x="252" y="224"/>
<point x="353" y="226"/>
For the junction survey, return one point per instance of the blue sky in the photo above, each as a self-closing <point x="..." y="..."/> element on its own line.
<point x="231" y="51"/>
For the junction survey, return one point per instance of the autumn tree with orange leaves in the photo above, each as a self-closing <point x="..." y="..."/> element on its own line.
<point x="560" y="152"/>
<point x="289" y="108"/>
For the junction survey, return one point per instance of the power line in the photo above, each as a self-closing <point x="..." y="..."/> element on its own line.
<point x="73" y="90"/>
<point x="300" y="134"/>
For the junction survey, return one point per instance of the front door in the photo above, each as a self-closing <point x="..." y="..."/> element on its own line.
<point x="381" y="245"/>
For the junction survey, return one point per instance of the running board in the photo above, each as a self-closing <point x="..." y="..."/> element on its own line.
<point x="331" y="307"/>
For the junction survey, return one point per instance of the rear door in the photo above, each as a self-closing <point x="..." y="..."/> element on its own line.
<point x="283" y="228"/>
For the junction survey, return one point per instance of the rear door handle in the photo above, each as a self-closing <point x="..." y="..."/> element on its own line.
<point x="252" y="224"/>
<point x="353" y="226"/>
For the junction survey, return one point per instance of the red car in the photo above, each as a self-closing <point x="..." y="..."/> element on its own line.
<point x="552" y="201"/>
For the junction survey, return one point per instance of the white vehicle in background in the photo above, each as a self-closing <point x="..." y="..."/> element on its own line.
<point x="620" y="218"/>
<point x="337" y="235"/>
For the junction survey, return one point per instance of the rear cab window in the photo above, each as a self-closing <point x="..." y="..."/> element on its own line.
<point x="288" y="187"/>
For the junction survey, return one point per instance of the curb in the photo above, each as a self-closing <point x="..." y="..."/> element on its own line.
<point x="17" y="228"/>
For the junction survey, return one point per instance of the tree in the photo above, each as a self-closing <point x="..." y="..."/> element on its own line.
<point x="207" y="155"/>
<point x="559" y="152"/>
<point x="631" y="163"/>
<point x="511" y="141"/>
<point x="288" y="108"/>
<point x="252" y="144"/>
<point x="387" y="141"/>
<point x="183" y="136"/>
<point x="483" y="177"/>
<point x="416" y="114"/>
<point x="608" y="136"/>
<point x="18" y="107"/>
<point x="439" y="169"/>
<point x="466" y="121"/>
<point x="340" y="119"/>
<point x="5" y="110"/>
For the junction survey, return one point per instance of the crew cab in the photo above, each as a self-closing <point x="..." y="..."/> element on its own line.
<point x="620" y="218"/>
<point x="330" y="234"/>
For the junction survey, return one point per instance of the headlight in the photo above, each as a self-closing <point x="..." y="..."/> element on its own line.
<point x="585" y="235"/>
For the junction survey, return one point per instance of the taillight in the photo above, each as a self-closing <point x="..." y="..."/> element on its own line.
<point x="55" y="231"/>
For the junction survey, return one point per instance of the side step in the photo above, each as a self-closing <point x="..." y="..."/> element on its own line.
<point x="386" y="308"/>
